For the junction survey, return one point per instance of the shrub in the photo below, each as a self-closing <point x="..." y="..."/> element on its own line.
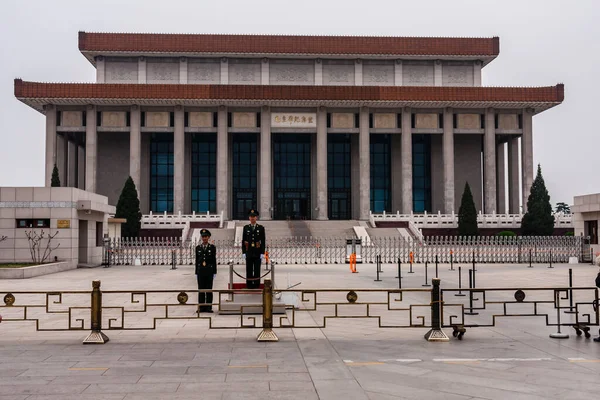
<point x="506" y="233"/>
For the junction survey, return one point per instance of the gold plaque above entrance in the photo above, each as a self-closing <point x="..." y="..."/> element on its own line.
<point x="63" y="224"/>
<point x="293" y="120"/>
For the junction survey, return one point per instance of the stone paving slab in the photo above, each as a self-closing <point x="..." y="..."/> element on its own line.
<point x="350" y="359"/>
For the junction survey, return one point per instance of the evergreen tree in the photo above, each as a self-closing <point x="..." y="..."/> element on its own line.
<point x="538" y="220"/>
<point x="128" y="207"/>
<point x="55" y="181"/>
<point x="467" y="214"/>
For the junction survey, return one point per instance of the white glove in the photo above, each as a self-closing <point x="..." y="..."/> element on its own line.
<point x="244" y="256"/>
<point x="214" y="277"/>
<point x="262" y="257"/>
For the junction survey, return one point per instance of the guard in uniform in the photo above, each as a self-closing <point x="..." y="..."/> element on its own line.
<point x="206" y="269"/>
<point x="253" y="249"/>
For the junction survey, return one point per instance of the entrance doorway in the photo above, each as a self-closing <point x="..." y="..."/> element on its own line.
<point x="592" y="231"/>
<point x="291" y="167"/>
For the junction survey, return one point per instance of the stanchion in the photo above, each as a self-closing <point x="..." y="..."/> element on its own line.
<point x="550" y="260"/>
<point x="451" y="260"/>
<point x="559" y="334"/>
<point x="571" y="310"/>
<point x="436" y="266"/>
<point x="230" y="280"/>
<point x="471" y="286"/>
<point x="473" y="260"/>
<point x="267" y="334"/>
<point x="530" y="266"/>
<point x="96" y="336"/>
<point x="436" y="334"/>
<point x="378" y="263"/>
<point x="426" y="267"/>
<point x="399" y="275"/>
<point x="591" y="256"/>
<point x="460" y="293"/>
<point x="173" y="260"/>
<point x="411" y="260"/>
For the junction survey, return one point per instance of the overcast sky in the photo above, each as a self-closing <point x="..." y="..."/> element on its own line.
<point x="542" y="42"/>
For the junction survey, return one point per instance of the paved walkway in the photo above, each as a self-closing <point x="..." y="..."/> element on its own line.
<point x="350" y="359"/>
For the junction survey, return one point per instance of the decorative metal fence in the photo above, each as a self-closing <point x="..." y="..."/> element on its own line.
<point x="314" y="250"/>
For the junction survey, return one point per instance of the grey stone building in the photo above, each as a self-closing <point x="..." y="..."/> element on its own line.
<point x="296" y="126"/>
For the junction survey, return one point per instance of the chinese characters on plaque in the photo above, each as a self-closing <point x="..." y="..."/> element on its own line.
<point x="293" y="120"/>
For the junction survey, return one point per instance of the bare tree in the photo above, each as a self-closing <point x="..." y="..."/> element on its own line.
<point x="3" y="238"/>
<point x="39" y="253"/>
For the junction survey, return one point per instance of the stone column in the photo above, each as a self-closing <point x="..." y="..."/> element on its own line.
<point x="183" y="70"/>
<point x="50" y="111"/>
<point x="142" y="70"/>
<point x="91" y="149"/>
<point x="500" y="181"/>
<point x="266" y="172"/>
<point x="179" y="161"/>
<point x="224" y="75"/>
<point x="513" y="175"/>
<point x="222" y="163"/>
<point x="489" y="162"/>
<point x="364" y="165"/>
<point x="398" y="73"/>
<point x="448" y="155"/>
<point x="264" y="76"/>
<point x="407" y="184"/>
<point x="135" y="146"/>
<point x="318" y="72"/>
<point x="100" y="70"/>
<point x="358" y="73"/>
<point x="437" y="73"/>
<point x="527" y="155"/>
<point x="322" y="193"/>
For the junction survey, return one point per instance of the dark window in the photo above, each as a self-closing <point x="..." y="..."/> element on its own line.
<point x="258" y="120"/>
<point x="98" y="118"/>
<point x="371" y="120"/>
<point x="413" y="120"/>
<point x="143" y="118"/>
<point x="171" y="119"/>
<point x="215" y="119"/>
<point x="520" y="118"/>
<point x="441" y="121"/>
<point x="84" y="118"/>
<point x="229" y="120"/>
<point x="291" y="170"/>
<point x="381" y="195"/>
<point x="482" y="119"/>
<point x="204" y="172"/>
<point x="128" y="118"/>
<point x="161" y="172"/>
<point x="339" y="177"/>
<point x="496" y="121"/>
<point x="455" y="121"/>
<point x="99" y="234"/>
<point x="399" y="120"/>
<point x="244" y="174"/>
<point x="421" y="152"/>
<point x="58" y="118"/>
<point x="329" y="120"/>
<point x="186" y="121"/>
<point x="33" y="223"/>
<point x="357" y="120"/>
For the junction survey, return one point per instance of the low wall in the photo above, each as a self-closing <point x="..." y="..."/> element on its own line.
<point x="36" y="270"/>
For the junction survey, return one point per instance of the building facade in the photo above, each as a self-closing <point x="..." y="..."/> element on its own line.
<point x="296" y="126"/>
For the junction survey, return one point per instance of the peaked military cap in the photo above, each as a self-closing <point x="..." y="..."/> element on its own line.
<point x="253" y="213"/>
<point x="204" y="232"/>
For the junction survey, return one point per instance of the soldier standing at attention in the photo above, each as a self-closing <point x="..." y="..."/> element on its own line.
<point x="206" y="270"/>
<point x="253" y="249"/>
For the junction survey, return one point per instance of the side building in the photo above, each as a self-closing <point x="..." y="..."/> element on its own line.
<point x="299" y="127"/>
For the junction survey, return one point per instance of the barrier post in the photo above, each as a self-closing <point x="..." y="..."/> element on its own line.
<point x="530" y="266"/>
<point x="96" y="336"/>
<point x="399" y="274"/>
<point x="230" y="279"/>
<point x="570" y="311"/>
<point x="451" y="260"/>
<point x="559" y="334"/>
<point x="426" y="267"/>
<point x="436" y="266"/>
<point x="471" y="286"/>
<point x="378" y="264"/>
<point x="267" y="334"/>
<point x="550" y="260"/>
<point x="436" y="334"/>
<point x="173" y="260"/>
<point x="460" y="293"/>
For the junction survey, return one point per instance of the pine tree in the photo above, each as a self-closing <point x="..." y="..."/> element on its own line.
<point x="55" y="181"/>
<point x="467" y="214"/>
<point x="128" y="207"/>
<point x="538" y="220"/>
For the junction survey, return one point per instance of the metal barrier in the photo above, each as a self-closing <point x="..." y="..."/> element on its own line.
<point x="313" y="250"/>
<point x="103" y="311"/>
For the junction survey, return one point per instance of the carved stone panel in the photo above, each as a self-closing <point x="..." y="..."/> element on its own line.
<point x="468" y="121"/>
<point x="291" y="74"/>
<point x="378" y="75"/>
<point x="457" y="75"/>
<point x="384" y="120"/>
<point x="417" y="74"/>
<point x="508" y="121"/>
<point x="162" y="72"/>
<point x="114" y="119"/>
<point x="200" y="119"/>
<point x="338" y="74"/>
<point x="244" y="74"/>
<point x="121" y="72"/>
<point x="71" y="118"/>
<point x="244" y="120"/>
<point x="158" y="119"/>
<point x="342" y="120"/>
<point x="427" y="121"/>
<point x="204" y="72"/>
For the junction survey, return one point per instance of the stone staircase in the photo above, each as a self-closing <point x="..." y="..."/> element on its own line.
<point x="339" y="229"/>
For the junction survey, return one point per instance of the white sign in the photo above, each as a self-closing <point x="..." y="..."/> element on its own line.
<point x="293" y="120"/>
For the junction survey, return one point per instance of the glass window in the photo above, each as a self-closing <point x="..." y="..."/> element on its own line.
<point x="204" y="172"/>
<point x="421" y="173"/>
<point x="338" y="176"/>
<point x="244" y="174"/>
<point x="381" y="174"/>
<point x="161" y="176"/>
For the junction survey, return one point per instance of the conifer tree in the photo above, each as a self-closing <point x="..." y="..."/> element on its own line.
<point x="538" y="220"/>
<point x="128" y="207"/>
<point x="467" y="214"/>
<point x="55" y="181"/>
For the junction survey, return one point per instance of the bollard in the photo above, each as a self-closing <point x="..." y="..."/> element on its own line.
<point x="267" y="334"/>
<point x="426" y="267"/>
<point x="571" y="311"/>
<point x="559" y="334"/>
<point x="230" y="280"/>
<point x="96" y="336"/>
<point x="471" y="312"/>
<point x="460" y="293"/>
<point x="473" y="261"/>
<point x="173" y="260"/>
<point x="550" y="260"/>
<point x="273" y="272"/>
<point x="378" y="264"/>
<point x="436" y="266"/>
<point x="399" y="274"/>
<point x="530" y="266"/>
<point x="451" y="260"/>
<point x="436" y="334"/>
<point x="591" y="256"/>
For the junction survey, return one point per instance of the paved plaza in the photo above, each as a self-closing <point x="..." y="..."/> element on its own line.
<point x="349" y="359"/>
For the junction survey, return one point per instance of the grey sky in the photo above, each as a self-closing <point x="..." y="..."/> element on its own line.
<point x="542" y="42"/>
